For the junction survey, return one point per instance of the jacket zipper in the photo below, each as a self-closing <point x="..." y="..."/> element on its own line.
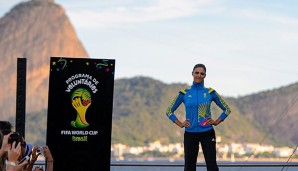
<point x="197" y="123"/>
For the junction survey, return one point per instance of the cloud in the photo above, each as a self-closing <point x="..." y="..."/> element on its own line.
<point x="269" y="17"/>
<point x="121" y="14"/>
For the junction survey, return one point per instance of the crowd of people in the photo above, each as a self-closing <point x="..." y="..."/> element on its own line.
<point x="17" y="155"/>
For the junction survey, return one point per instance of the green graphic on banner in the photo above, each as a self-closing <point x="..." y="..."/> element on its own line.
<point x="81" y="100"/>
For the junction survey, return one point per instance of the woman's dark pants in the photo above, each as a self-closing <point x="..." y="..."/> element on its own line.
<point x="191" y="149"/>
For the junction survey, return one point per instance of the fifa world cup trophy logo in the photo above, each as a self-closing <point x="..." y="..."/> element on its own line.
<point x="81" y="100"/>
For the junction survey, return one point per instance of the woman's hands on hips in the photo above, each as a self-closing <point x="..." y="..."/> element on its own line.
<point x="186" y="123"/>
<point x="182" y="124"/>
<point x="212" y="122"/>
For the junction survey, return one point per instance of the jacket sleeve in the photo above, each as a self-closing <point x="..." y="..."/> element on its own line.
<point x="220" y="103"/>
<point x="174" y="105"/>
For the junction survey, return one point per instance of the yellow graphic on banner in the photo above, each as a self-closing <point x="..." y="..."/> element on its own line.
<point x="81" y="100"/>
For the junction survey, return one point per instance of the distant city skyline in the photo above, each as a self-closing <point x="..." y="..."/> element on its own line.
<point x="247" y="46"/>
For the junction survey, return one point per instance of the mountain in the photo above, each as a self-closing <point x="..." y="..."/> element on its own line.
<point x="36" y="30"/>
<point x="139" y="115"/>
<point x="275" y="110"/>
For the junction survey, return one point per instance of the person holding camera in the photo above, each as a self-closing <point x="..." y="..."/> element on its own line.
<point x="10" y="153"/>
<point x="39" y="150"/>
<point x="13" y="148"/>
<point x="34" y="157"/>
<point x="15" y="152"/>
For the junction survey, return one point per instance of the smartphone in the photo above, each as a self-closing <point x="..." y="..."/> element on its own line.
<point x="23" y="159"/>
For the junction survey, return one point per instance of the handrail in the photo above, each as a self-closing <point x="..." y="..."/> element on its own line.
<point x="116" y="164"/>
<point x="148" y="164"/>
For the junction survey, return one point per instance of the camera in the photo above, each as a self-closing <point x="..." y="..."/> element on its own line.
<point x="40" y="150"/>
<point x="15" y="136"/>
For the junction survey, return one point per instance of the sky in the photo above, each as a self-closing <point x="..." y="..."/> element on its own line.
<point x="247" y="46"/>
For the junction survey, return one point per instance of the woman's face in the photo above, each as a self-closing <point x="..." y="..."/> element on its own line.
<point x="198" y="75"/>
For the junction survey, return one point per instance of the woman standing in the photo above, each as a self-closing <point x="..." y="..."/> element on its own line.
<point x="198" y="123"/>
